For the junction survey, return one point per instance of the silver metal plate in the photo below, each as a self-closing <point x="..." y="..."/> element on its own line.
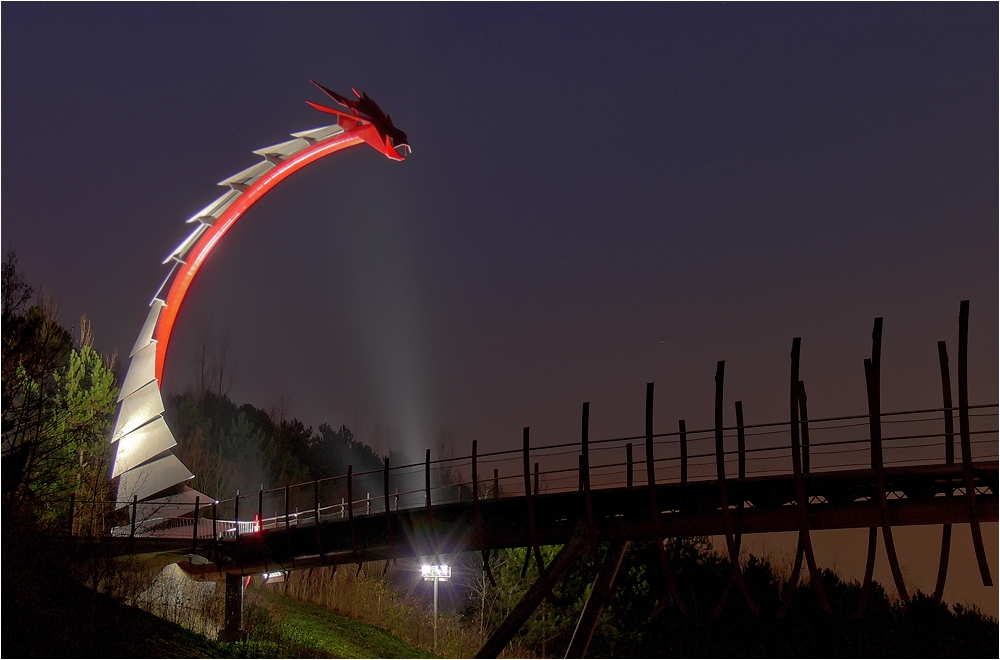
<point x="141" y="445"/>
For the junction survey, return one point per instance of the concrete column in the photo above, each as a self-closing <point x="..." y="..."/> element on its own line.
<point x="233" y="632"/>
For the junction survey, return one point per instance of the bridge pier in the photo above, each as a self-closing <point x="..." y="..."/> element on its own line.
<point x="600" y="595"/>
<point x="233" y="632"/>
<point x="554" y="572"/>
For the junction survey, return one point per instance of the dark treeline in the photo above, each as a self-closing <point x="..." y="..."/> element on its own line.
<point x="232" y="447"/>
<point x="885" y="628"/>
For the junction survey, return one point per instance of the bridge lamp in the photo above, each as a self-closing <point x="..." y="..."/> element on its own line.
<point x="274" y="577"/>
<point x="437" y="573"/>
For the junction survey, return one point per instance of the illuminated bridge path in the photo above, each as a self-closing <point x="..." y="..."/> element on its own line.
<point x="840" y="485"/>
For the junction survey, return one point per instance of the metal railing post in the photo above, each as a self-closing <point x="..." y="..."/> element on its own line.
<point x="316" y="501"/>
<point x="194" y="534"/>
<point x="236" y="512"/>
<point x="628" y="465"/>
<point x="682" y="432"/>
<point x="131" y="536"/>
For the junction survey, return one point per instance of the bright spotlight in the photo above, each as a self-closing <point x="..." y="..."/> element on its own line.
<point x="435" y="572"/>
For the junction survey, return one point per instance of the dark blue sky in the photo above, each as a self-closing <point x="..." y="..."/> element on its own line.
<point x="599" y="196"/>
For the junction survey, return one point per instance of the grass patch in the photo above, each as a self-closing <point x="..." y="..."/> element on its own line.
<point x="299" y="629"/>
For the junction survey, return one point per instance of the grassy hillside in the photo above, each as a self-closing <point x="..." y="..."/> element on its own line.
<point x="281" y="626"/>
<point x="48" y="616"/>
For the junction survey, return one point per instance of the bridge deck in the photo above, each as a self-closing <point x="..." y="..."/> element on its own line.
<point x="837" y="500"/>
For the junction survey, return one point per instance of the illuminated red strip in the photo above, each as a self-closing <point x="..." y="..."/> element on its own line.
<point x="181" y="282"/>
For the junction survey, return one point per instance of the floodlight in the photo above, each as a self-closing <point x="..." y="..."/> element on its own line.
<point x="435" y="572"/>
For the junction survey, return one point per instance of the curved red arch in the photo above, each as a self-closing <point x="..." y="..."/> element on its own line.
<point x="182" y="281"/>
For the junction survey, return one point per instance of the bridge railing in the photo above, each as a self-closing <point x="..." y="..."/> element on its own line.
<point x="912" y="437"/>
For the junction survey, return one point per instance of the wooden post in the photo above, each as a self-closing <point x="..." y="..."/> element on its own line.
<point x="720" y="468"/>
<point x="260" y="508"/>
<point x="600" y="595"/>
<point x="873" y="380"/>
<point x="804" y="420"/>
<point x="525" y="455"/>
<point x="236" y="513"/>
<point x="741" y="464"/>
<point x="287" y="512"/>
<point x="804" y="546"/>
<point x="536" y="594"/>
<point x="427" y="483"/>
<point x="316" y="501"/>
<point x="388" y="518"/>
<point x="628" y="465"/>
<point x="585" y="453"/>
<point x="475" y="474"/>
<point x="949" y="459"/>
<point x="655" y="509"/>
<point x="682" y="433"/>
<point x="741" y="444"/>
<point x="481" y="536"/>
<point x="385" y="483"/>
<point x="131" y="536"/>
<point x="965" y="433"/>
<point x="350" y="510"/>
<point x="194" y="534"/>
<point x="215" y="520"/>
<point x="496" y="483"/>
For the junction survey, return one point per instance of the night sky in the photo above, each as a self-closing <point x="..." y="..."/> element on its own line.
<point x="599" y="196"/>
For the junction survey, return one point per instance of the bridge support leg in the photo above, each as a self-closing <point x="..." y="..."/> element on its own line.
<point x="536" y="594"/>
<point x="233" y="632"/>
<point x="600" y="596"/>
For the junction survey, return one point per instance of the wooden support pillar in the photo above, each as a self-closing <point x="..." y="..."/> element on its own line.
<point x="628" y="465"/>
<point x="727" y="520"/>
<point x="654" y="505"/>
<point x="287" y="506"/>
<point x="600" y="595"/>
<point x="388" y="518"/>
<point x="350" y="509"/>
<point x="539" y="590"/>
<point x="427" y="484"/>
<point x="585" y="475"/>
<point x="481" y="536"/>
<point x="683" y="439"/>
<point x="804" y="421"/>
<point x="965" y="433"/>
<point x="804" y="546"/>
<point x="873" y="378"/>
<point x="525" y="454"/>
<point x="496" y="483"/>
<point x="949" y="459"/>
<point x="260" y="508"/>
<point x="319" y="537"/>
<point x="194" y="533"/>
<point x="131" y="535"/>
<point x="741" y="465"/>
<point x="874" y="369"/>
